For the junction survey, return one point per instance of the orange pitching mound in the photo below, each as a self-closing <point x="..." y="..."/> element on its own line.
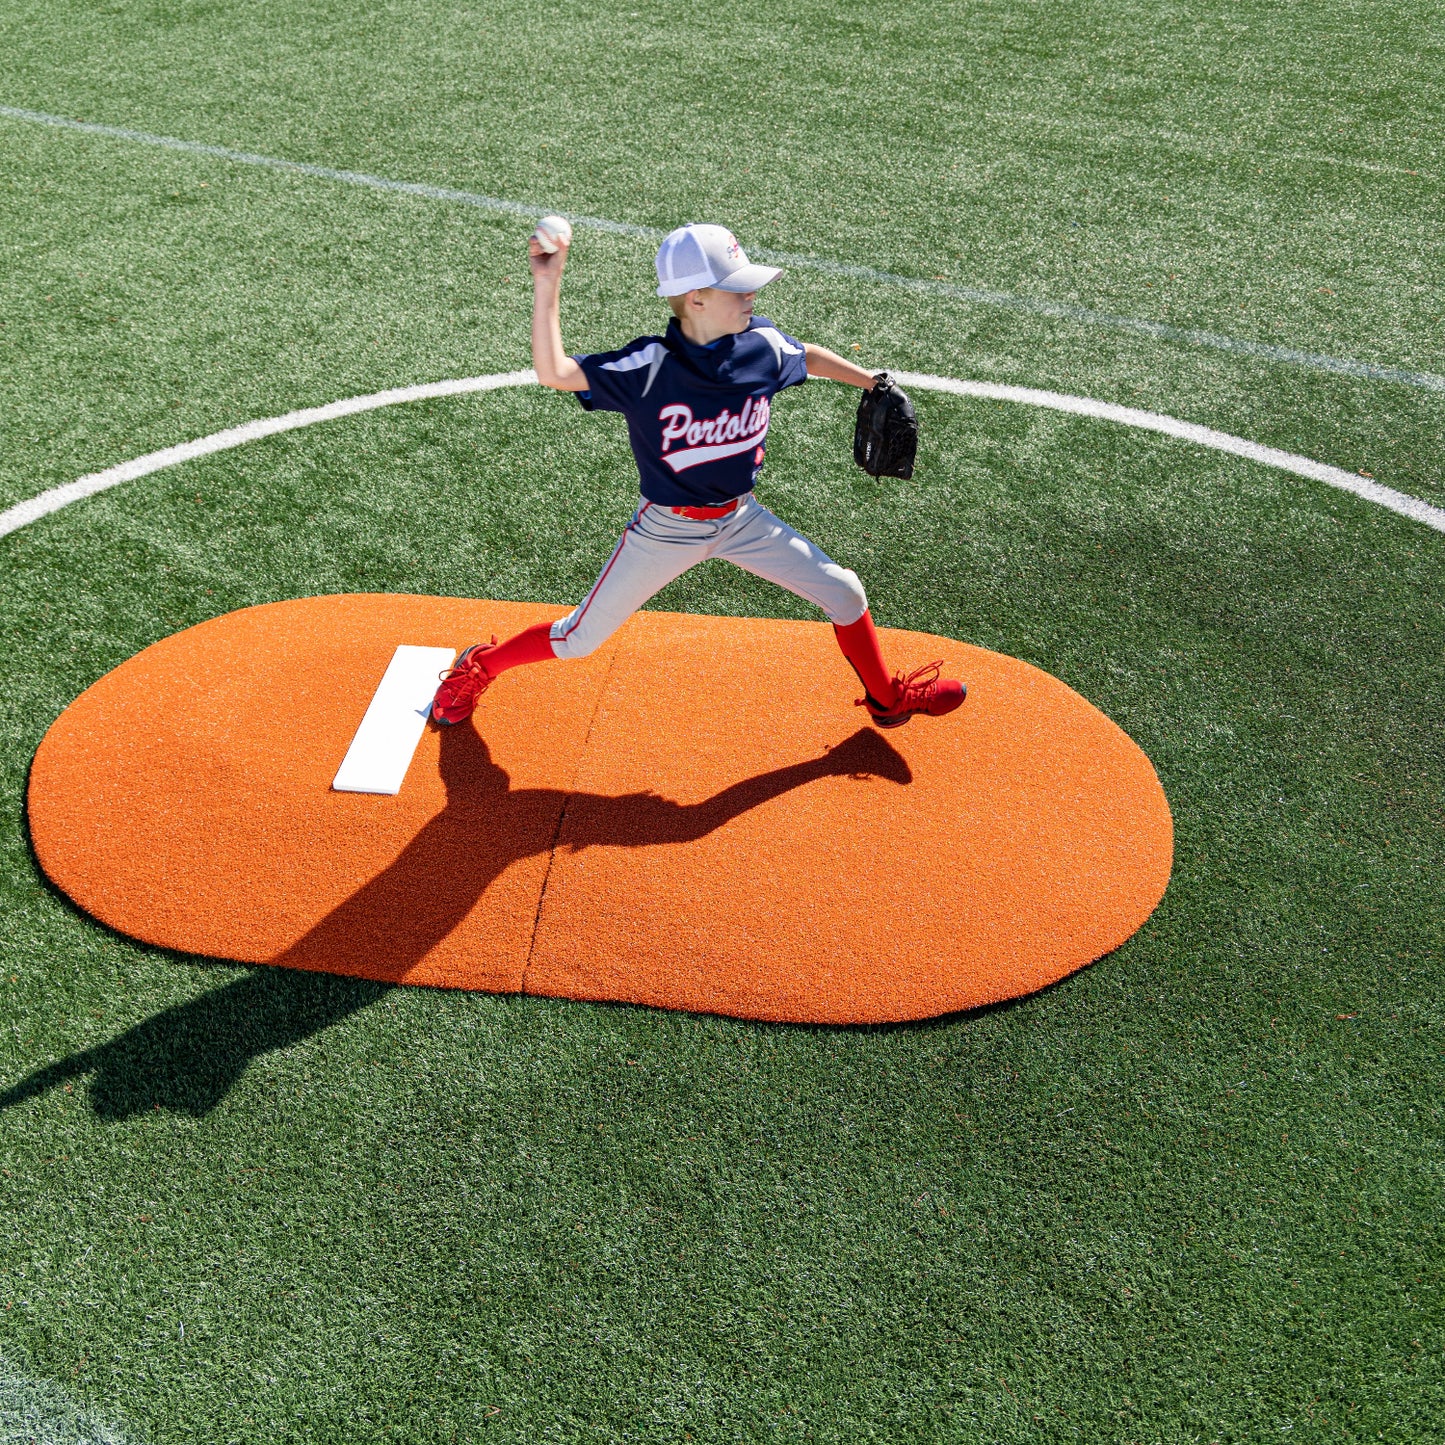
<point x="695" y="817"/>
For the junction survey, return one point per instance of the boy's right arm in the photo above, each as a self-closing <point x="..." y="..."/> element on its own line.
<point x="554" y="367"/>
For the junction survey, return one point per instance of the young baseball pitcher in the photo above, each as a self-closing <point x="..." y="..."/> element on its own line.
<point x="697" y="401"/>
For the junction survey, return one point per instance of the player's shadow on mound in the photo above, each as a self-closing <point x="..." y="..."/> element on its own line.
<point x="187" y="1058"/>
<point x="391" y="923"/>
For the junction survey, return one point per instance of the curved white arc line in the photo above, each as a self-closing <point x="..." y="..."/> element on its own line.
<point x="57" y="497"/>
<point x="1189" y="431"/>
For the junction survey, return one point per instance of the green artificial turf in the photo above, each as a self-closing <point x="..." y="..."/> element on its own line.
<point x="1191" y="1194"/>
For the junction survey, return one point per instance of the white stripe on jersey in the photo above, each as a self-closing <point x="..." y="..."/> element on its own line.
<point x="778" y="342"/>
<point x="695" y="456"/>
<point x="652" y="355"/>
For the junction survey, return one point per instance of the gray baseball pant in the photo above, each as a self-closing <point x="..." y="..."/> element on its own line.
<point x="658" y="546"/>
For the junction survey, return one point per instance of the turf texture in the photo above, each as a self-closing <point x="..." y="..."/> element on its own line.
<point x="1192" y="1193"/>
<point x="630" y="829"/>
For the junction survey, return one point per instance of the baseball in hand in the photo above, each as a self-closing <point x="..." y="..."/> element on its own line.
<point x="552" y="232"/>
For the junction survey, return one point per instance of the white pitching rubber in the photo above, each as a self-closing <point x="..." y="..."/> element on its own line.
<point x="382" y="750"/>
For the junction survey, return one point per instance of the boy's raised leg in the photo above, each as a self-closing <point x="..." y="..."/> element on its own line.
<point x="763" y="544"/>
<point x="891" y="701"/>
<point x="859" y="643"/>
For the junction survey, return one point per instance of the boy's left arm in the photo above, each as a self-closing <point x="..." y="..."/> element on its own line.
<point x="822" y="362"/>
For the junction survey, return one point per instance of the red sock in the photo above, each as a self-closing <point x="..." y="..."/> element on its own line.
<point x="534" y="644"/>
<point x="860" y="646"/>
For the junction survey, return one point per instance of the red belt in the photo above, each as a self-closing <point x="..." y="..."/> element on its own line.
<point x="706" y="514"/>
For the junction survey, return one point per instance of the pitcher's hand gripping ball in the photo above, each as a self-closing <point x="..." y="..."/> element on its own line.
<point x="552" y="232"/>
<point x="885" y="440"/>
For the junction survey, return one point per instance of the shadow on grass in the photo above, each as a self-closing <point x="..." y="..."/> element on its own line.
<point x="188" y="1057"/>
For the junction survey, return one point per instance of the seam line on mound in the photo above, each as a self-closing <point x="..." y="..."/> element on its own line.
<point x="980" y="296"/>
<point x="567" y="803"/>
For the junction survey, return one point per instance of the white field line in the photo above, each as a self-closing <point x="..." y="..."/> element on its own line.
<point x="26" y="512"/>
<point x="1189" y="431"/>
<point x="1033" y="305"/>
<point x="39" y="1412"/>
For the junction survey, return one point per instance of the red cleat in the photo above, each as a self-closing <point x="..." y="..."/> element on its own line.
<point x="922" y="690"/>
<point x="462" y="684"/>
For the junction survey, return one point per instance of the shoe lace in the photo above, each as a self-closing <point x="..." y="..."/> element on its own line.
<point x="471" y="670"/>
<point x="909" y="689"/>
<point x="916" y="685"/>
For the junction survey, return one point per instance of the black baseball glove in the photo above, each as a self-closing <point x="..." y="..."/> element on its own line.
<point x="885" y="441"/>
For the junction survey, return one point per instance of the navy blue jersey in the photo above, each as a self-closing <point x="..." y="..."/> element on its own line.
<point x="697" y="416"/>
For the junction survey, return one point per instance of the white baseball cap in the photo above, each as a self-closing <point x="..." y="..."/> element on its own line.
<point x="692" y="257"/>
